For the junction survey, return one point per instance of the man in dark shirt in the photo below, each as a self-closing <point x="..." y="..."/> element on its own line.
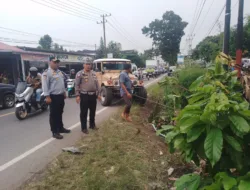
<point x="126" y="91"/>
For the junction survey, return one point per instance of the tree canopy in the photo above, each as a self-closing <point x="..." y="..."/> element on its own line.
<point x="46" y="42"/>
<point x="166" y="34"/>
<point x="115" y="48"/>
<point x="208" y="48"/>
<point x="100" y="52"/>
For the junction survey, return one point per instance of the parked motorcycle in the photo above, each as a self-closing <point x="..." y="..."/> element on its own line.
<point x="71" y="87"/>
<point x="26" y="101"/>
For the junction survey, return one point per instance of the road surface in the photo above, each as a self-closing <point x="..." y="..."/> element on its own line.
<point x="26" y="147"/>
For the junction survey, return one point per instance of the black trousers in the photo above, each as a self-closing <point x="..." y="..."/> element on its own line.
<point x="56" y="111"/>
<point x="88" y="102"/>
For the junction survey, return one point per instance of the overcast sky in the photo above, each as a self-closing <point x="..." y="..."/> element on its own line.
<point x="28" y="16"/>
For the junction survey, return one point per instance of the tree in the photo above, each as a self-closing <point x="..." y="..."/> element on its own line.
<point x="115" y="48"/>
<point x="166" y="34"/>
<point x="56" y="47"/>
<point x="135" y="58"/>
<point x="100" y="53"/>
<point x="46" y="42"/>
<point x="207" y="49"/>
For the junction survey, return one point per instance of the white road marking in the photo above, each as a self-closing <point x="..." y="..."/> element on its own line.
<point x="7" y="114"/>
<point x="34" y="149"/>
<point x="29" y="152"/>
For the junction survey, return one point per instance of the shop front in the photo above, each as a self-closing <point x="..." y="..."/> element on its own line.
<point x="34" y="59"/>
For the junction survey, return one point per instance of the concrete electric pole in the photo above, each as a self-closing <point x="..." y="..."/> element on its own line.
<point x="227" y="27"/>
<point x="239" y="37"/>
<point x="104" y="30"/>
<point x="190" y="42"/>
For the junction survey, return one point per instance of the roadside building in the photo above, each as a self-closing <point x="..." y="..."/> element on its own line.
<point x="10" y="64"/>
<point x="69" y="60"/>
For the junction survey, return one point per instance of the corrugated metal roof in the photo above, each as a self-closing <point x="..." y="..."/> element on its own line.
<point x="8" y="48"/>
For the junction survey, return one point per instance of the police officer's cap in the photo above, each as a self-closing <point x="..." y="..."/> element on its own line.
<point x="54" y="59"/>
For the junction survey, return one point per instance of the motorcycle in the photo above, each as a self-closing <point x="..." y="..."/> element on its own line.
<point x="71" y="87"/>
<point x="26" y="101"/>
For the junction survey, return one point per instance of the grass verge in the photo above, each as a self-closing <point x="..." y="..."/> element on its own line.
<point x="119" y="156"/>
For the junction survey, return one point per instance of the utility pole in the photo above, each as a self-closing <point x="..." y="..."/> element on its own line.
<point x="190" y="42"/>
<point x="104" y="31"/>
<point x="227" y="27"/>
<point x="239" y="37"/>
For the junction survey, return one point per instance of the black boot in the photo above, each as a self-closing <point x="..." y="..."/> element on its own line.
<point x="63" y="130"/>
<point x="57" y="136"/>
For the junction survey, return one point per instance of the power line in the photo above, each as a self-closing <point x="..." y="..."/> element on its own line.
<point x="90" y="10"/>
<point x="112" y="26"/>
<point x="205" y="15"/>
<point x="37" y="35"/>
<point x="72" y="9"/>
<point x="119" y="25"/>
<point x="72" y="5"/>
<point x="68" y="8"/>
<point x="67" y="12"/>
<point x="94" y="8"/>
<point x="195" y="12"/>
<point x="204" y="2"/>
<point x="216" y="20"/>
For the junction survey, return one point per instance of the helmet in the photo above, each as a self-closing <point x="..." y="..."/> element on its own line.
<point x="72" y="71"/>
<point x="33" y="71"/>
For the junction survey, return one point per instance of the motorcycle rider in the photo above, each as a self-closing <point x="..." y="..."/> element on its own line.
<point x="72" y="74"/>
<point x="35" y="79"/>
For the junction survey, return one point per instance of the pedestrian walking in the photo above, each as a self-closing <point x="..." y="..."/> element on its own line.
<point x="87" y="92"/>
<point x="126" y="91"/>
<point x="54" y="89"/>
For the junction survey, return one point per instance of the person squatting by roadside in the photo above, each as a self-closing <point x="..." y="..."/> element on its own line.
<point x="53" y="86"/>
<point x="126" y="91"/>
<point x="87" y="91"/>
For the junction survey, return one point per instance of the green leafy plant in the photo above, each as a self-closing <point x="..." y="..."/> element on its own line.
<point x="221" y="181"/>
<point x="214" y="126"/>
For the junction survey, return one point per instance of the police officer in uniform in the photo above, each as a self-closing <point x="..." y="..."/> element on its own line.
<point x="54" y="90"/>
<point x="87" y="92"/>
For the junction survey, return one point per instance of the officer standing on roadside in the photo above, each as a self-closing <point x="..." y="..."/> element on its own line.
<point x="87" y="92"/>
<point x="54" y="90"/>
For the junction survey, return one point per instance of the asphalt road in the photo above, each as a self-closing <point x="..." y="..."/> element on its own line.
<point x="26" y="147"/>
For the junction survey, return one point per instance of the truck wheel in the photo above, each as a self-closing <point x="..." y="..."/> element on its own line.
<point x="142" y="95"/>
<point x="106" y="96"/>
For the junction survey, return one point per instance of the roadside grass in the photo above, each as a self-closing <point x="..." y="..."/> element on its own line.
<point x="119" y="156"/>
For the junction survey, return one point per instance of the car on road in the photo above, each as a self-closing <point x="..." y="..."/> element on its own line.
<point x="108" y="73"/>
<point x="7" y="95"/>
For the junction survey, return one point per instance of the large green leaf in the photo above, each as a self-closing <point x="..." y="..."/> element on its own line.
<point x="209" y="117"/>
<point x="179" y="142"/>
<point x="227" y="182"/>
<point x="233" y="142"/>
<point x="169" y="137"/>
<point x="188" y="182"/>
<point x="240" y="123"/>
<point x="213" y="145"/>
<point x="214" y="186"/>
<point x="164" y="128"/>
<point x="235" y="131"/>
<point x="245" y="113"/>
<point x="188" y="123"/>
<point x="244" y="105"/>
<point x="244" y="185"/>
<point x="195" y="98"/>
<point x="194" y="133"/>
<point x="196" y="83"/>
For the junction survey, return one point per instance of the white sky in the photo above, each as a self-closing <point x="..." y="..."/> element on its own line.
<point x="28" y="16"/>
